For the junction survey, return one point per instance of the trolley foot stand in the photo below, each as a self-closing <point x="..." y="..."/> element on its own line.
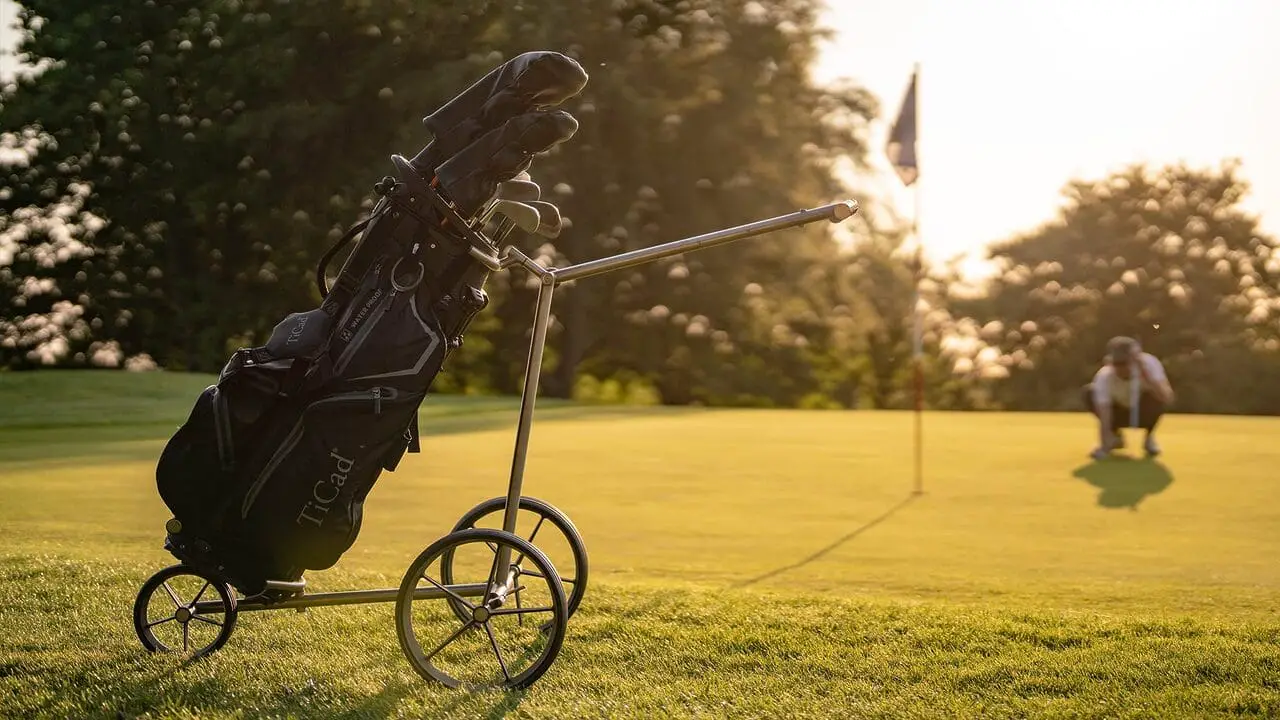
<point x="482" y="606"/>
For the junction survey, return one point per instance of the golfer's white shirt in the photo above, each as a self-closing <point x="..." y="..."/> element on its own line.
<point x="1109" y="388"/>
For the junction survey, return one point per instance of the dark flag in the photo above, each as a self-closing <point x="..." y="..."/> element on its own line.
<point x="902" y="139"/>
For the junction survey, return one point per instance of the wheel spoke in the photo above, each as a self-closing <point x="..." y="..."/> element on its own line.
<point x="449" y="592"/>
<point x="535" y="573"/>
<point x="519" y="618"/>
<point x="186" y="637"/>
<point x="493" y="641"/>
<point x="161" y="622"/>
<point x="445" y="644"/>
<point x="206" y="620"/>
<point x="173" y="596"/>
<point x="521" y="611"/>
<point x="536" y="528"/>
<point x="197" y="597"/>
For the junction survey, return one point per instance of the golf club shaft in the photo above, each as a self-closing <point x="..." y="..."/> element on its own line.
<point x="1135" y="397"/>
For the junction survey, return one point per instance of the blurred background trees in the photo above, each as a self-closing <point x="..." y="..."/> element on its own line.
<point x="1165" y="255"/>
<point x="172" y="173"/>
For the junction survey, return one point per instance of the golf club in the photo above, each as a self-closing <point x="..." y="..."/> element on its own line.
<point x="516" y="215"/>
<point x="551" y="223"/>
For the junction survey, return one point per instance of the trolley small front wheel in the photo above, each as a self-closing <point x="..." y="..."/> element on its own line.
<point x="180" y="610"/>
<point x="498" y="623"/>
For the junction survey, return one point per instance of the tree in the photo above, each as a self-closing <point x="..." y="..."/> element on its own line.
<point x="699" y="115"/>
<point x="218" y="145"/>
<point x="1166" y="255"/>
<point x="212" y="146"/>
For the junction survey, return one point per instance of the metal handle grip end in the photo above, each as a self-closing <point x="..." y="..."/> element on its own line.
<point x="842" y="211"/>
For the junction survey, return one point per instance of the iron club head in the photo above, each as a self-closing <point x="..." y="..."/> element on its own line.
<point x="518" y="190"/>
<point x="523" y="216"/>
<point x="551" y="223"/>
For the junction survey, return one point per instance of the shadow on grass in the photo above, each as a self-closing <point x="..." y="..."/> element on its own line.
<point x="132" y="684"/>
<point x="1124" y="482"/>
<point x="818" y="555"/>
<point x="506" y="703"/>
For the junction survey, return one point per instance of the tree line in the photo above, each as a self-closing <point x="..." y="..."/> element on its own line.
<point x="171" y="174"/>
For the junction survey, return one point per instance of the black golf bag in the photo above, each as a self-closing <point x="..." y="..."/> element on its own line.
<point x="267" y="477"/>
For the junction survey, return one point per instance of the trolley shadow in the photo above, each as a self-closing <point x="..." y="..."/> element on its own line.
<point x="829" y="548"/>
<point x="1124" y="482"/>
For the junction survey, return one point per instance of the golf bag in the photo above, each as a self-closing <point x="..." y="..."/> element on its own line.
<point x="268" y="475"/>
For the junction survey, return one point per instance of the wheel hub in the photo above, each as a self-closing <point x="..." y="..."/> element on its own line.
<point x="481" y="614"/>
<point x="183" y="615"/>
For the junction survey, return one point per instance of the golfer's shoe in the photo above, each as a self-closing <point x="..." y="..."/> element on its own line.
<point x="1150" y="447"/>
<point x="1100" y="453"/>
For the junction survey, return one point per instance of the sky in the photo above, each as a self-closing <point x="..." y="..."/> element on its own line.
<point x="1018" y="97"/>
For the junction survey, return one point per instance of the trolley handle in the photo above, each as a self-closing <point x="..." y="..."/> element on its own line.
<point x="834" y="212"/>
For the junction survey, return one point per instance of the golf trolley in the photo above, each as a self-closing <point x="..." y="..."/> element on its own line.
<point x="485" y="603"/>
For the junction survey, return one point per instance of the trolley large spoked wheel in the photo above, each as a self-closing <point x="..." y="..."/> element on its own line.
<point x="506" y="637"/>
<point x="556" y="537"/>
<point x="167" y="619"/>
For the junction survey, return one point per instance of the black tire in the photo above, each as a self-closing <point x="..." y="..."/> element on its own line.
<point x="551" y="637"/>
<point x="185" y="612"/>
<point x="574" y="578"/>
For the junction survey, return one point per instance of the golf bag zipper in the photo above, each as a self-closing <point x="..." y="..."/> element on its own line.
<point x="377" y="394"/>
<point x="363" y="333"/>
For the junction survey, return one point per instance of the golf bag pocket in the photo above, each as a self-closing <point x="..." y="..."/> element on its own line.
<point x="198" y="466"/>
<point x="407" y="349"/>
<point x="306" y="502"/>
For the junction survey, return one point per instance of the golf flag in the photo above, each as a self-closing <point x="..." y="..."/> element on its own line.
<point x="903" y="155"/>
<point x="902" y="139"/>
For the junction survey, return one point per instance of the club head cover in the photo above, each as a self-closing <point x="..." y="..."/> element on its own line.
<point x="300" y="335"/>
<point x="470" y="178"/>
<point x="530" y="81"/>
<point x="551" y="223"/>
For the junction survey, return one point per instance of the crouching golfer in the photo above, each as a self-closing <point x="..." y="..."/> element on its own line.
<point x="1112" y="393"/>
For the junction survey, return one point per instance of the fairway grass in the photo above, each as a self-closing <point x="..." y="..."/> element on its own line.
<point x="745" y="563"/>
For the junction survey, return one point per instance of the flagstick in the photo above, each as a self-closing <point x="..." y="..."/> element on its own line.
<point x="918" y="355"/>
<point x="915" y="308"/>
<point x="903" y="153"/>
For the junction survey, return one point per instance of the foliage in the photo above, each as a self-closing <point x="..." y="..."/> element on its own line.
<point x="1165" y="255"/>
<point x="173" y="173"/>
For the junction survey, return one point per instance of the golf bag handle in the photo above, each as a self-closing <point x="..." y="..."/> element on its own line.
<point x="321" y="284"/>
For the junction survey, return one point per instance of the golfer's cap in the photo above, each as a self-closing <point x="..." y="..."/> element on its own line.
<point x="1121" y="348"/>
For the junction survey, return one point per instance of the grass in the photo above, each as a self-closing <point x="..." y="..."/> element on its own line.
<point x="743" y="564"/>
